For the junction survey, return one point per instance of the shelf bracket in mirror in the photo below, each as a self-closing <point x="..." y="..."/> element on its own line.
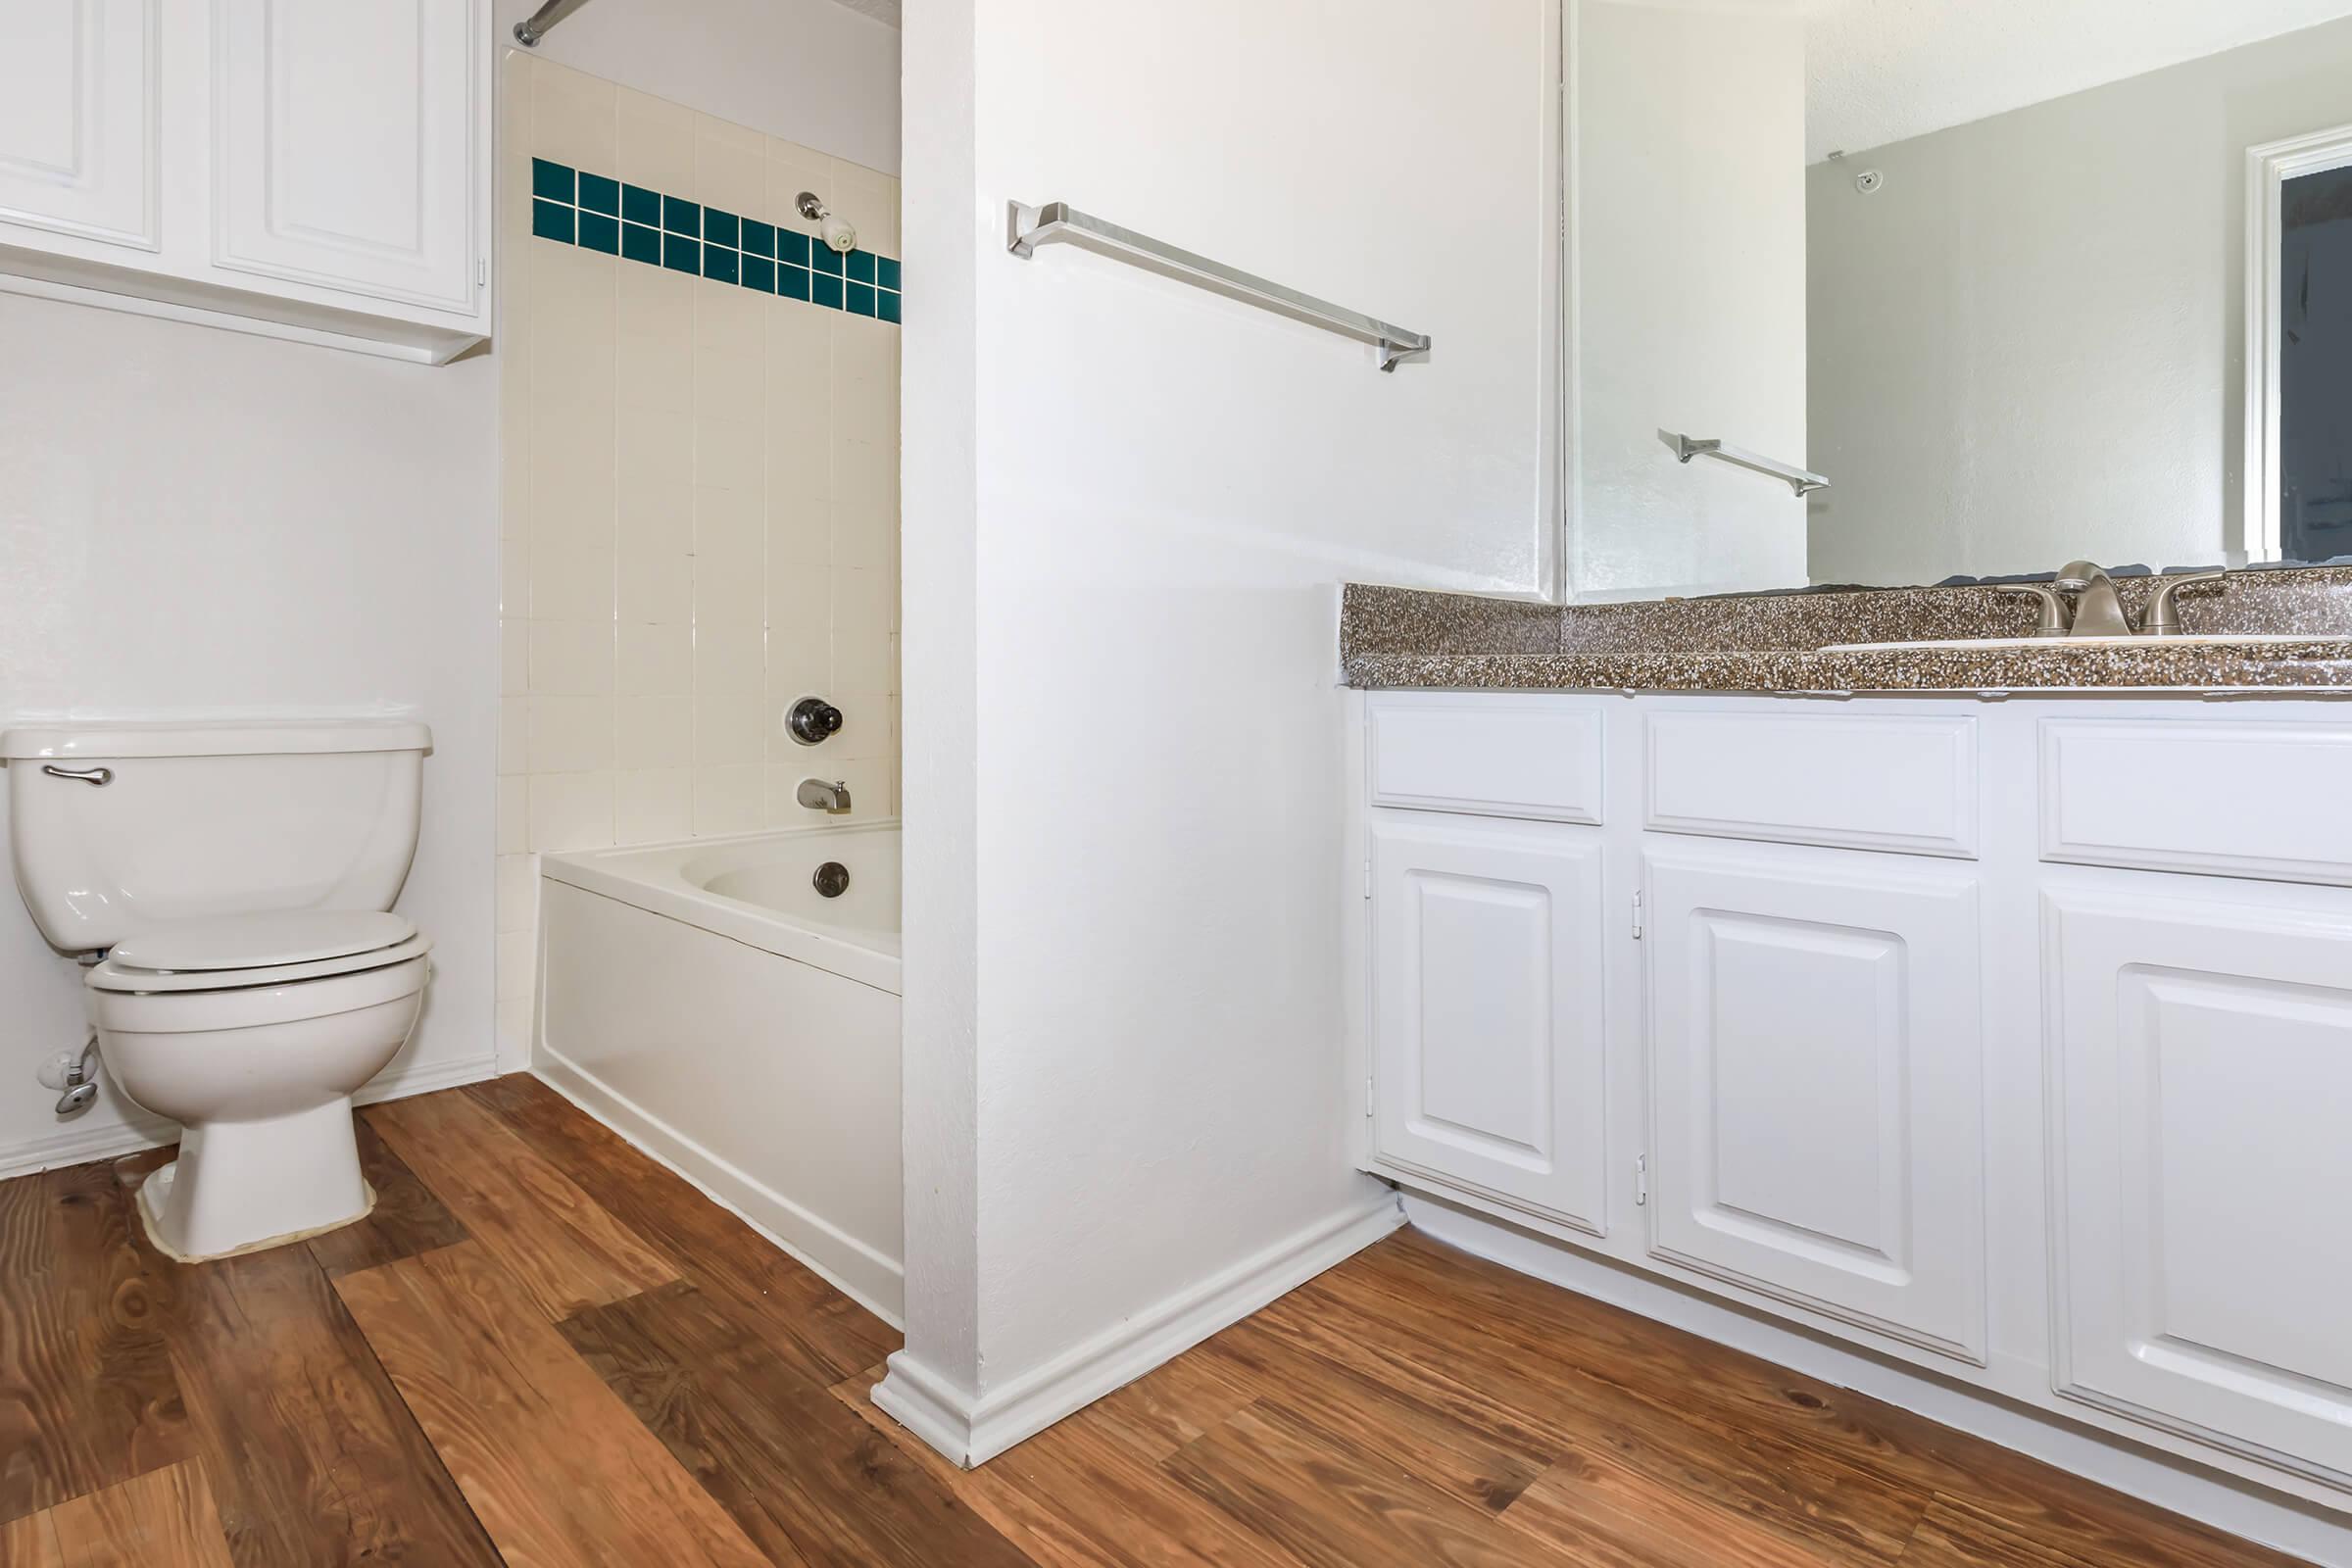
<point x="1684" y="448"/>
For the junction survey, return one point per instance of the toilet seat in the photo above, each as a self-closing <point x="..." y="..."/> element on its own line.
<point x="237" y="952"/>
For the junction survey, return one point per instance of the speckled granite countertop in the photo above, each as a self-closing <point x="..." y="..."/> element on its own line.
<point x="1405" y="638"/>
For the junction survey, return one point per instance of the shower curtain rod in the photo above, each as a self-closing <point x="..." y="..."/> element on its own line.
<point x="532" y="28"/>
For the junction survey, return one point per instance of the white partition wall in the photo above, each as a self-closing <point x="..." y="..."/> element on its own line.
<point x="1127" y="503"/>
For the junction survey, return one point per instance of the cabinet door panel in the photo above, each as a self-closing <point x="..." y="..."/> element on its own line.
<point x="1487" y="1013"/>
<point x="2203" y="1054"/>
<point x="345" y="151"/>
<point x="1816" y="1065"/>
<point x="77" y="126"/>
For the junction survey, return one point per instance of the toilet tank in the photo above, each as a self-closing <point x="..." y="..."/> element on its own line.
<point x="202" y="819"/>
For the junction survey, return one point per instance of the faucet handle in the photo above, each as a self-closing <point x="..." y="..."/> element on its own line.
<point x="2055" y="621"/>
<point x="2162" y="619"/>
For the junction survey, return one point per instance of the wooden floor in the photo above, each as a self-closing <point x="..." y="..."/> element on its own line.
<point x="543" y="1348"/>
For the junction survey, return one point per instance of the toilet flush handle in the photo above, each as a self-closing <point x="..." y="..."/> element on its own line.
<point x="100" y="776"/>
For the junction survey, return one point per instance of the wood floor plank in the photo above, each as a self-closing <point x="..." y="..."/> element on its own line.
<point x="1170" y="1406"/>
<point x="558" y="1244"/>
<point x="87" y="1396"/>
<point x="313" y="1458"/>
<point x="1330" y="1502"/>
<point x="831" y="1336"/>
<point x="31" y="1542"/>
<point x="799" y="1472"/>
<point x="558" y="1469"/>
<point x="163" y="1518"/>
<point x="1546" y="1401"/>
<point x="408" y="1218"/>
<point x="1953" y="1536"/>
<point x="1607" y="1515"/>
<point x="1410" y="1287"/>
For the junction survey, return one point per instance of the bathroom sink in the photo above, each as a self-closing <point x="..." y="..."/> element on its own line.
<point x="1970" y="643"/>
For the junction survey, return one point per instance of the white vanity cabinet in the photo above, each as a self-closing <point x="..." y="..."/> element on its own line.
<point x="2009" y="1038"/>
<point x="1814" y="1051"/>
<point x="1491" y="1066"/>
<point x="312" y="171"/>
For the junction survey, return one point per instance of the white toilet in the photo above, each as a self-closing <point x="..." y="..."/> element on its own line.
<point x="236" y="879"/>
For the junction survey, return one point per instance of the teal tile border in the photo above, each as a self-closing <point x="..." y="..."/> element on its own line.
<point x="572" y="207"/>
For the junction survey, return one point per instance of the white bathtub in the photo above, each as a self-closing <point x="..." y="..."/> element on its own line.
<point x="708" y="1002"/>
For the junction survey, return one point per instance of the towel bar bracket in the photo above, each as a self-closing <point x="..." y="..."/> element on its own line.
<point x="1802" y="481"/>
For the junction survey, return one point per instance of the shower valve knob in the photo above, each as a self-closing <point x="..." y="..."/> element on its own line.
<point x="813" y="720"/>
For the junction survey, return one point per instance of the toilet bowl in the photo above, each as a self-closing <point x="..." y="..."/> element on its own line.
<point x="255" y="1055"/>
<point x="230" y="885"/>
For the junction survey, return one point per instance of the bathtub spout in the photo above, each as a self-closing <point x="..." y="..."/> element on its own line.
<point x="819" y="795"/>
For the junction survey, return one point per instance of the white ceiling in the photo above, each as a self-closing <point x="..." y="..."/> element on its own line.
<point x="1880" y="70"/>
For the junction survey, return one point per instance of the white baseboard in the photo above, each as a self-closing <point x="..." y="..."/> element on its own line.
<point x="2302" y="1530"/>
<point x="77" y="1143"/>
<point x="874" y="1282"/>
<point x="972" y="1431"/>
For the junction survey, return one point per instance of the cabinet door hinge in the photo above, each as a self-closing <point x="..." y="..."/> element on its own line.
<point x="1637" y="917"/>
<point x="481" y="271"/>
<point x="1367" y="876"/>
<point x="1367" y="1093"/>
<point x="1641" y="1180"/>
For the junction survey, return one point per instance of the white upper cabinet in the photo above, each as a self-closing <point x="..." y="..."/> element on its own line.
<point x="345" y="151"/>
<point x="308" y="171"/>
<point x="2203" y="1052"/>
<point x="79" y="119"/>
<point x="1816" y="1059"/>
<point x="1490" y="1060"/>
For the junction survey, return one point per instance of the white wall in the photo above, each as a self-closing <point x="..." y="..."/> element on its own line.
<point x="809" y="70"/>
<point x="1127" y="506"/>
<point x="2028" y="346"/>
<point x="199" y="521"/>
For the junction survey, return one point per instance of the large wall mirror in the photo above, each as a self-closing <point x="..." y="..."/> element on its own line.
<point x="2024" y="281"/>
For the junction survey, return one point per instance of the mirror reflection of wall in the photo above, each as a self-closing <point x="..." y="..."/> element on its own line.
<point x="2026" y="238"/>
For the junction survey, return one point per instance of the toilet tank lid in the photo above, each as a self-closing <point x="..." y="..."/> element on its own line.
<point x="233" y="737"/>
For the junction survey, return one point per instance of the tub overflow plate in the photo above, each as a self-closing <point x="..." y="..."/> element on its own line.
<point x="832" y="879"/>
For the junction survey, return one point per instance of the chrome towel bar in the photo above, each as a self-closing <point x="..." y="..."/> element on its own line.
<point x="1031" y="226"/>
<point x="1684" y="448"/>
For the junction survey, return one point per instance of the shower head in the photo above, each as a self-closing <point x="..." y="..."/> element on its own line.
<point x="836" y="232"/>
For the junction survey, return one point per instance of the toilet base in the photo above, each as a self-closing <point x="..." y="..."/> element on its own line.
<point x="243" y="1187"/>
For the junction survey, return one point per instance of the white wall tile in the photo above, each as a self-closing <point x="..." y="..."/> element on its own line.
<point x="575" y="117"/>
<point x="800" y="409"/>
<point x="728" y="732"/>
<point x="730" y="558"/>
<point x="571" y="658"/>
<point x="864" y="605"/>
<point x="654" y="356"/>
<point x="514" y="574"/>
<point x="730" y="354"/>
<point x="730" y="659"/>
<point x="517" y="964"/>
<point x="572" y="584"/>
<point x="570" y="735"/>
<point x="655" y="144"/>
<point x="655" y="661"/>
<point x="655" y="584"/>
<point x="570" y="811"/>
<point x="513" y="735"/>
<point x="514" y="657"/>
<point x="863" y="533"/>
<point x="653" y="732"/>
<point x="513" y="807"/>
<point x="726" y="800"/>
<point x="729" y="454"/>
<point x="517" y="877"/>
<point x="730" y="166"/>
<point x="652" y="806"/>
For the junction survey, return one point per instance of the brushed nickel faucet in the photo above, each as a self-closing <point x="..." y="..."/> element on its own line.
<point x="2096" y="611"/>
<point x="819" y="795"/>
